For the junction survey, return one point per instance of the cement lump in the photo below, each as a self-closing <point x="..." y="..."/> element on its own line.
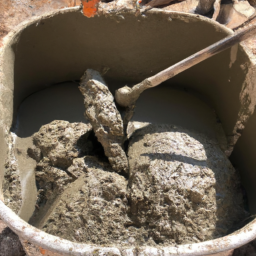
<point x="181" y="186"/>
<point x="11" y="182"/>
<point x="58" y="143"/>
<point x="96" y="211"/>
<point x="105" y="118"/>
<point x="181" y="189"/>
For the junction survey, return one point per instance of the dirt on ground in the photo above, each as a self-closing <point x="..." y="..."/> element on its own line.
<point x="13" y="12"/>
<point x="10" y="244"/>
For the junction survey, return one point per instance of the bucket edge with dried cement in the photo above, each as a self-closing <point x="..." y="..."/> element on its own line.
<point x="221" y="246"/>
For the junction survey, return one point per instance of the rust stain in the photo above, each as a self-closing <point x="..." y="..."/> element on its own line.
<point x="90" y="7"/>
<point x="42" y="251"/>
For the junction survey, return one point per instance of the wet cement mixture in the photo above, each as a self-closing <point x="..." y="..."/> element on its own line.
<point x="181" y="187"/>
<point x="11" y="182"/>
<point x="169" y="186"/>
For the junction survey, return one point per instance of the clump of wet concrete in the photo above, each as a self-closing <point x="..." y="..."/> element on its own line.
<point x="60" y="142"/>
<point x="56" y="145"/>
<point x="182" y="187"/>
<point x="11" y="182"/>
<point x="106" y="120"/>
<point x="84" y="200"/>
<point x="96" y="210"/>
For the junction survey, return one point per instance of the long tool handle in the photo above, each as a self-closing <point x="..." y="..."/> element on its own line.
<point x="202" y="55"/>
<point x="127" y="96"/>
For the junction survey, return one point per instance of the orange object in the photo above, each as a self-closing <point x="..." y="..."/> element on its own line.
<point x="90" y="7"/>
<point x="43" y="251"/>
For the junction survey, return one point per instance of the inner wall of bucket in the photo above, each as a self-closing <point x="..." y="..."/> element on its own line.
<point x="52" y="54"/>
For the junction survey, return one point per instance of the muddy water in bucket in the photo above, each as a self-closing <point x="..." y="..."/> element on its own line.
<point x="179" y="174"/>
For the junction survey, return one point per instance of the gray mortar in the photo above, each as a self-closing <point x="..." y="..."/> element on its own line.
<point x="106" y="120"/>
<point x="55" y="147"/>
<point x="11" y="182"/>
<point x="96" y="210"/>
<point x="181" y="185"/>
<point x="181" y="189"/>
<point x="59" y="143"/>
